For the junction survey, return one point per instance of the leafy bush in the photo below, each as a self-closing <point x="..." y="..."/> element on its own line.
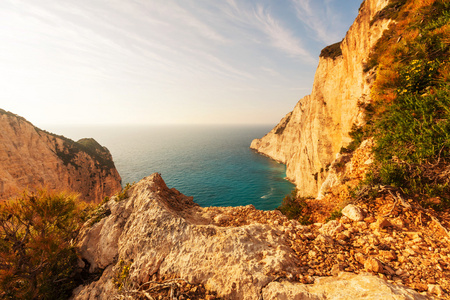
<point x="37" y="258"/>
<point x="123" y="194"/>
<point x="121" y="277"/>
<point x="358" y="135"/>
<point x="416" y="128"/>
<point x="409" y="115"/>
<point x="293" y="207"/>
<point x="336" y="214"/>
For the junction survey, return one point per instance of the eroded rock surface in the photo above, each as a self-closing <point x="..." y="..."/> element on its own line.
<point x="343" y="286"/>
<point x="32" y="158"/>
<point x="165" y="234"/>
<point x="160" y="235"/>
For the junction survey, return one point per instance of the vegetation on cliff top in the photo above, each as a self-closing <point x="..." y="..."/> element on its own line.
<point x="332" y="51"/>
<point x="37" y="257"/>
<point x="71" y="149"/>
<point x="97" y="151"/>
<point x="8" y="113"/>
<point x="409" y="115"/>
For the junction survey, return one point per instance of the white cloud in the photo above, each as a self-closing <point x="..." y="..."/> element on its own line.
<point x="271" y="71"/>
<point x="319" y="18"/>
<point x="279" y="36"/>
<point x="155" y="53"/>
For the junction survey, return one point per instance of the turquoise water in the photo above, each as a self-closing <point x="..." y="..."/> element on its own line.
<point x="213" y="164"/>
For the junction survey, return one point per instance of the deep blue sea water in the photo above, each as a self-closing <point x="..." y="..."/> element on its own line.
<point x="211" y="163"/>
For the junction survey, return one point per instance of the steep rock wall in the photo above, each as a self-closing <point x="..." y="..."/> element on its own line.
<point x="308" y="138"/>
<point x="32" y="158"/>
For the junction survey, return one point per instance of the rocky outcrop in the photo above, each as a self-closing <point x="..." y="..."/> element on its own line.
<point x="343" y="286"/>
<point x="32" y="158"/>
<point x="163" y="233"/>
<point x="158" y="242"/>
<point x="308" y="138"/>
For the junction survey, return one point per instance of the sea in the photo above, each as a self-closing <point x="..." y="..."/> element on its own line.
<point x="214" y="164"/>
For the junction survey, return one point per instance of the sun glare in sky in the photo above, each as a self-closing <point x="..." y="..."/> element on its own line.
<point x="163" y="61"/>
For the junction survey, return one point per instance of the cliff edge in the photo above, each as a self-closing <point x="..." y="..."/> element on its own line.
<point x="158" y="244"/>
<point x="32" y="158"/>
<point x="308" y="138"/>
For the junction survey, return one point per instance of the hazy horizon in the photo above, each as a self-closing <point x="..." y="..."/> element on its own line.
<point x="150" y="62"/>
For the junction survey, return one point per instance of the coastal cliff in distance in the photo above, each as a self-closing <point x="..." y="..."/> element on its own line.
<point x="32" y="158"/>
<point x="308" y="139"/>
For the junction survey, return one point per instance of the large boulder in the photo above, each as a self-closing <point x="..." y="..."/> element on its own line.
<point x="344" y="286"/>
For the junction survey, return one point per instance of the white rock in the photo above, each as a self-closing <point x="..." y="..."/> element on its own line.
<point x="161" y="231"/>
<point x="331" y="181"/>
<point x="331" y="228"/>
<point x="353" y="212"/>
<point x="435" y="289"/>
<point x="222" y="218"/>
<point x="308" y="139"/>
<point x="343" y="286"/>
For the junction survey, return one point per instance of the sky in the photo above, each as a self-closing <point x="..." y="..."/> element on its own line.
<point x="139" y="62"/>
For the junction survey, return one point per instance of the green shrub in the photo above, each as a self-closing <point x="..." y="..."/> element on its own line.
<point x="293" y="207"/>
<point x="123" y="194"/>
<point x="37" y="258"/>
<point x="393" y="174"/>
<point x="121" y="277"/>
<point x="336" y="214"/>
<point x="416" y="128"/>
<point x="409" y="116"/>
<point x="358" y="135"/>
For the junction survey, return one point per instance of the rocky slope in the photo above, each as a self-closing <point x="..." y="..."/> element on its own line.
<point x="32" y="158"/>
<point x="159" y="243"/>
<point x="308" y="138"/>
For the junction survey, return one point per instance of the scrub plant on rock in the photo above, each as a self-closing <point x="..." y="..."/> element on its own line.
<point x="37" y="257"/>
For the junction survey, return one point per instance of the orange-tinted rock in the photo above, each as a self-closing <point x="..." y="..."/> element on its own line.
<point x="31" y="158"/>
<point x="373" y="265"/>
<point x="389" y="255"/>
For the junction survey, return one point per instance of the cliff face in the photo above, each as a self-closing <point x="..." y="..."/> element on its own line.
<point x="308" y="138"/>
<point x="32" y="158"/>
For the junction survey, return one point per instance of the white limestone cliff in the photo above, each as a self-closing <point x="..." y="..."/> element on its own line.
<point x="308" y="139"/>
